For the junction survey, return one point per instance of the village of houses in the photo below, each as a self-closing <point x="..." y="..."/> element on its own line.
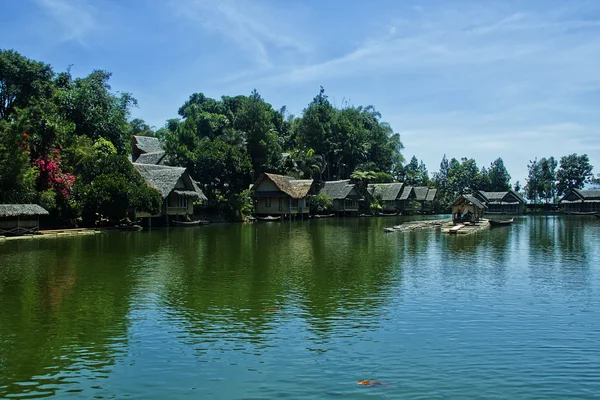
<point x="279" y="197"/>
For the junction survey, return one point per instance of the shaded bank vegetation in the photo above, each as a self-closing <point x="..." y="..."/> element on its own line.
<point x="65" y="144"/>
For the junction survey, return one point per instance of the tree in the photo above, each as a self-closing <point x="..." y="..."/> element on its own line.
<point x="140" y="128"/>
<point x="574" y="172"/>
<point x="463" y="176"/>
<point x="499" y="178"/>
<point x="23" y="82"/>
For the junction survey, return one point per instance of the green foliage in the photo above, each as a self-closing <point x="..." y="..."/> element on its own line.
<point x="415" y="173"/>
<point x="541" y="180"/>
<point x="319" y="203"/>
<point x="573" y="173"/>
<point x="110" y="186"/>
<point x="498" y="177"/>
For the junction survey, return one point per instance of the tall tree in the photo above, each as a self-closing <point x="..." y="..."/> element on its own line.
<point x="574" y="172"/>
<point x="499" y="178"/>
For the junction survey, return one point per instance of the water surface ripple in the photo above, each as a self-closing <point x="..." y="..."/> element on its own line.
<point x="304" y="311"/>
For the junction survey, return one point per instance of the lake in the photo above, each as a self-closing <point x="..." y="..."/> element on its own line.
<point x="304" y="310"/>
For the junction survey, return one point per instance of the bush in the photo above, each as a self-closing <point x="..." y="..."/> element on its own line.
<point x="319" y="203"/>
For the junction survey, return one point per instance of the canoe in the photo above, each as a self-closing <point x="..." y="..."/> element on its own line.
<point x="324" y="216"/>
<point x="129" y="227"/>
<point x="503" y="222"/>
<point x="189" y="223"/>
<point x="268" y="218"/>
<point x="583" y="213"/>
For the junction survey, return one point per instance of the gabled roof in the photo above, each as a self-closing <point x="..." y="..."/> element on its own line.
<point x="497" y="197"/>
<point x="295" y="188"/>
<point x="164" y="179"/>
<point x="470" y="198"/>
<point x="339" y="190"/>
<point x="147" y="144"/>
<point x="589" y="194"/>
<point x="406" y="192"/>
<point x="421" y="193"/>
<point x="387" y="191"/>
<point x="156" y="157"/>
<point x="19" y="210"/>
<point x="431" y="195"/>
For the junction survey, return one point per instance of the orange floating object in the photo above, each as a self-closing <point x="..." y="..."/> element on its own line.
<point x="369" y="382"/>
<point x="272" y="309"/>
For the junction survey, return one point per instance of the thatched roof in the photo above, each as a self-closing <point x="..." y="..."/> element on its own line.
<point x="339" y="190"/>
<point x="20" y="210"/>
<point x="387" y="191"/>
<point x="580" y="196"/>
<point x="156" y="157"/>
<point x="164" y="179"/>
<point x="406" y="192"/>
<point x="431" y="195"/>
<point x="147" y="144"/>
<point x="421" y="192"/>
<point x="589" y="194"/>
<point x="471" y="199"/>
<point x="501" y="197"/>
<point x="295" y="188"/>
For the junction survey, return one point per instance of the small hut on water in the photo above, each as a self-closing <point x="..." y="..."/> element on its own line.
<point x="466" y="208"/>
<point x="20" y="219"/>
<point x="345" y="196"/>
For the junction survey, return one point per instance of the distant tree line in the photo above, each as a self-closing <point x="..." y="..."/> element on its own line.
<point x="65" y="144"/>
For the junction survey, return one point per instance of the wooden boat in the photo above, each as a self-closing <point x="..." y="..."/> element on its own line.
<point x="384" y="214"/>
<point x="583" y="213"/>
<point x="268" y="218"/>
<point x="503" y="222"/>
<point x="189" y="223"/>
<point x="324" y="215"/>
<point x="127" y="227"/>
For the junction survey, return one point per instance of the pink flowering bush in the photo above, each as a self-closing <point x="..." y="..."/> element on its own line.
<point x="52" y="177"/>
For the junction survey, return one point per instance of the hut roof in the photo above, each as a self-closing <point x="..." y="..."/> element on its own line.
<point x="589" y="194"/>
<point x="406" y="192"/>
<point x="497" y="197"/>
<point x="387" y="191"/>
<point x="164" y="179"/>
<point x="148" y="144"/>
<point x="421" y="193"/>
<point x="295" y="188"/>
<point x="339" y="190"/>
<point x="156" y="157"/>
<point x="18" y="210"/>
<point x="476" y="202"/>
<point x="431" y="195"/>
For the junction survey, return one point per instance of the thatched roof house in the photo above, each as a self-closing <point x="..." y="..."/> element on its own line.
<point x="290" y="194"/>
<point x="147" y="150"/>
<point x="18" y="219"/>
<point x="581" y="201"/>
<point x="507" y="202"/>
<point x="467" y="205"/>
<point x="389" y="193"/>
<point x="178" y="190"/>
<point x="345" y="195"/>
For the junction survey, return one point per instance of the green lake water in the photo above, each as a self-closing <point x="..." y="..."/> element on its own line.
<point x="304" y="310"/>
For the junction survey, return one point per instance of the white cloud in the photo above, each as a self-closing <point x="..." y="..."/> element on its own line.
<point x="254" y="29"/>
<point x="76" y="18"/>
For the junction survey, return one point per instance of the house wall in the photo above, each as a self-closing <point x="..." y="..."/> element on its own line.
<point x="280" y="205"/>
<point x="516" y="208"/>
<point x="340" y="205"/>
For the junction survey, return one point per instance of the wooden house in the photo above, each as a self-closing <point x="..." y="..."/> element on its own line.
<point x="345" y="196"/>
<point x="581" y="201"/>
<point x="417" y="199"/>
<point x="508" y="202"/>
<point x="20" y="219"/>
<point x="467" y="208"/>
<point x="280" y="195"/>
<point x="176" y="187"/>
<point x="147" y="150"/>
<point x="389" y="194"/>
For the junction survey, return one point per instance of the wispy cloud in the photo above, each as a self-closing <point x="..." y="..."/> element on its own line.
<point x="76" y="17"/>
<point x="252" y="28"/>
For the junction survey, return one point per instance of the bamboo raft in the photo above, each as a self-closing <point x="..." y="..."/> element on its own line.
<point x="465" y="229"/>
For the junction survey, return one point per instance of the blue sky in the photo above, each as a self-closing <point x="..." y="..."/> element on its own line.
<point x="510" y="79"/>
